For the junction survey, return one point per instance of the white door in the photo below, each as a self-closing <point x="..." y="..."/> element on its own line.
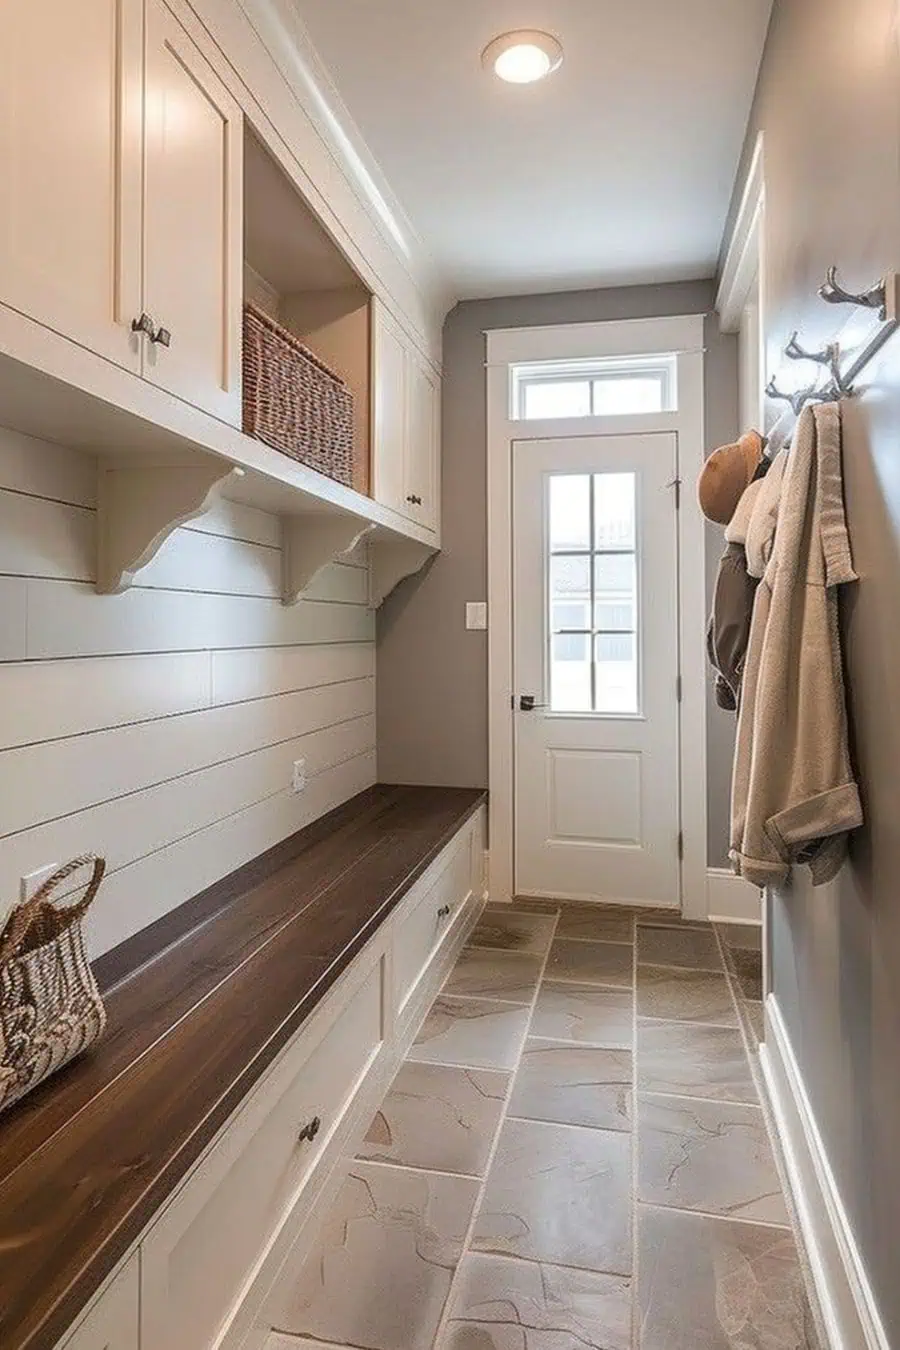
<point x="595" y="623"/>
<point x="70" y="169"/>
<point x="193" y="224"/>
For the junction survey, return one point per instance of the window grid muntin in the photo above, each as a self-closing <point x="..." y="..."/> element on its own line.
<point x="592" y="552"/>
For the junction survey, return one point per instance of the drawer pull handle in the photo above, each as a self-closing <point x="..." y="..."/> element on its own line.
<point x="444" y="911"/>
<point x="143" y="325"/>
<point x="162" y="336"/>
<point x="309" y="1131"/>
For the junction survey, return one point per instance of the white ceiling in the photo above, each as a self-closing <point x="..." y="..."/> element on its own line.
<point x="617" y="170"/>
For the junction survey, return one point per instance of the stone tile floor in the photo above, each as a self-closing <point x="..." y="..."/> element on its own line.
<point x="574" y="1157"/>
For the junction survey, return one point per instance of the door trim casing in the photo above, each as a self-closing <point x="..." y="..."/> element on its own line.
<point x="683" y="336"/>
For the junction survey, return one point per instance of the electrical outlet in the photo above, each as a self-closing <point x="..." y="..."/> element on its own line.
<point x="476" y="615"/>
<point x="32" y="880"/>
<point x="298" y="777"/>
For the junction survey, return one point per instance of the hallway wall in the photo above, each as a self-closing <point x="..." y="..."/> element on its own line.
<point x="828" y="103"/>
<point x="432" y="673"/>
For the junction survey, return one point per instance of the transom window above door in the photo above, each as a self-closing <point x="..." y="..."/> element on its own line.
<point x="602" y="388"/>
<point x="593" y="631"/>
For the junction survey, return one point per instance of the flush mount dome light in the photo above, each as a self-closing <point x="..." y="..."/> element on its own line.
<point x="522" y="57"/>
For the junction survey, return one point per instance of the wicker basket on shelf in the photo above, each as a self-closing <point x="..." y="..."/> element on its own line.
<point x="50" y="1007"/>
<point x="292" y="401"/>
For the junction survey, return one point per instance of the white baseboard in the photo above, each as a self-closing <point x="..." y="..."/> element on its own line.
<point x="731" y="899"/>
<point x="849" y="1310"/>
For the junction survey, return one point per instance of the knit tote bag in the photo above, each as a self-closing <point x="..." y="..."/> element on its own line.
<point x="50" y="1006"/>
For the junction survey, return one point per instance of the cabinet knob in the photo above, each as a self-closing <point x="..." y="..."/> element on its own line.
<point x="309" y="1131"/>
<point x="444" y="911"/>
<point x="143" y="325"/>
<point x="413" y="499"/>
<point x="162" y="336"/>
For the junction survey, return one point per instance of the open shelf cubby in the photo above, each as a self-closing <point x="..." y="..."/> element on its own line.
<point x="295" y="273"/>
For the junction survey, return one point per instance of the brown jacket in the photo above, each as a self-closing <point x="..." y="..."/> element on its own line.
<point x="729" y="625"/>
<point x="728" y="634"/>
<point x="794" y="796"/>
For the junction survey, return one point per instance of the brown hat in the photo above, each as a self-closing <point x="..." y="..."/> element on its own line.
<point x="726" y="475"/>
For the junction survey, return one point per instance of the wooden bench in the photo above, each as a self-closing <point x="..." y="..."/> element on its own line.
<point x="268" y="1013"/>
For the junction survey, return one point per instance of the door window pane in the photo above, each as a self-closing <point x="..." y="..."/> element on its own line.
<point x="571" y="672"/>
<point x="570" y="580"/>
<point x="570" y="512"/>
<point x="614" y="510"/>
<point x="616" y="673"/>
<point x="593" y="594"/>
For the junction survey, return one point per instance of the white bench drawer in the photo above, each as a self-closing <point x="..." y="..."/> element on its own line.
<point x="200" y="1256"/>
<point x="430" y="912"/>
<point x="112" y="1322"/>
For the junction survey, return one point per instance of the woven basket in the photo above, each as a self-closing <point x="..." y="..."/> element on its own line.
<point x="50" y="1006"/>
<point x="293" y="402"/>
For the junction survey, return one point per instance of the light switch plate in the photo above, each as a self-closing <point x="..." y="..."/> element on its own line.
<point x="476" y="615"/>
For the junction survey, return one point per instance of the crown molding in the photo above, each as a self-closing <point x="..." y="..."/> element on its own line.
<point x="281" y="30"/>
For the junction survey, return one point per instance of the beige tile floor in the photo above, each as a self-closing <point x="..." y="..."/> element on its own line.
<point x="573" y="1157"/>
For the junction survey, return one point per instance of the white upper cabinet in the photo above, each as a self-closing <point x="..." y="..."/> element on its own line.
<point x="193" y="249"/>
<point x="117" y="136"/>
<point x="407" y="425"/>
<point x="70" y="168"/>
<point x="389" y="440"/>
<point x="148" y="151"/>
<point x="423" y="441"/>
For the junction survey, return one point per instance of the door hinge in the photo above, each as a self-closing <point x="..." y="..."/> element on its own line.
<point x="681" y="845"/>
<point x="679" y="689"/>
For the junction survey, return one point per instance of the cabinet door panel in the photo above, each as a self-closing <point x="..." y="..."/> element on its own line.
<point x="112" y="1323"/>
<point x="389" y="459"/>
<point x="193" y="233"/>
<point x="422" y="447"/>
<point x="70" y="168"/>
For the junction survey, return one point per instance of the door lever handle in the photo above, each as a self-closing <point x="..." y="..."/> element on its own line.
<point x="528" y="703"/>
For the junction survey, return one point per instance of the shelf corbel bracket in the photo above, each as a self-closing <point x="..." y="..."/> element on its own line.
<point x="139" y="506"/>
<point x="309" y="543"/>
<point x="392" y="560"/>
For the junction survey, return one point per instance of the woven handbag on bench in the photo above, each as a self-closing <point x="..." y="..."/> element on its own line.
<point x="50" y="1006"/>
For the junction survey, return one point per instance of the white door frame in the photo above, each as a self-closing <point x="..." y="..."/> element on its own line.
<point x="681" y="336"/>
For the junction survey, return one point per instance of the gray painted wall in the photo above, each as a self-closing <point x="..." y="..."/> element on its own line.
<point x="432" y="673"/>
<point x="829" y="104"/>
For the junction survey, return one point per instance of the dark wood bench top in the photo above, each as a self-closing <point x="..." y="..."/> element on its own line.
<point x="199" y="1005"/>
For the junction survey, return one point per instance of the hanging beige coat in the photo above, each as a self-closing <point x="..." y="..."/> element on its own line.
<point x="794" y="797"/>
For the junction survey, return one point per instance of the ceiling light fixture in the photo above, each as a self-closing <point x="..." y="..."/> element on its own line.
<point x="523" y="57"/>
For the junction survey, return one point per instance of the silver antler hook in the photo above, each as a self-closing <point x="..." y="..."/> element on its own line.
<point x="797" y="400"/>
<point x="834" y="293"/>
<point x="829" y="355"/>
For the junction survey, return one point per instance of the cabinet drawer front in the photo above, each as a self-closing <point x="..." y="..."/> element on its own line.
<point x="112" y="1323"/>
<point x="200" y="1256"/>
<point x="421" y="928"/>
<point x="70" y="166"/>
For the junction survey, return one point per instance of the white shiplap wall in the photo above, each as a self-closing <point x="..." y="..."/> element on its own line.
<point x="159" y="727"/>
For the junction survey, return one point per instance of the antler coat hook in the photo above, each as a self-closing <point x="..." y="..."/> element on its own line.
<point x="834" y="293"/>
<point x="797" y="400"/>
<point x="829" y="355"/>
